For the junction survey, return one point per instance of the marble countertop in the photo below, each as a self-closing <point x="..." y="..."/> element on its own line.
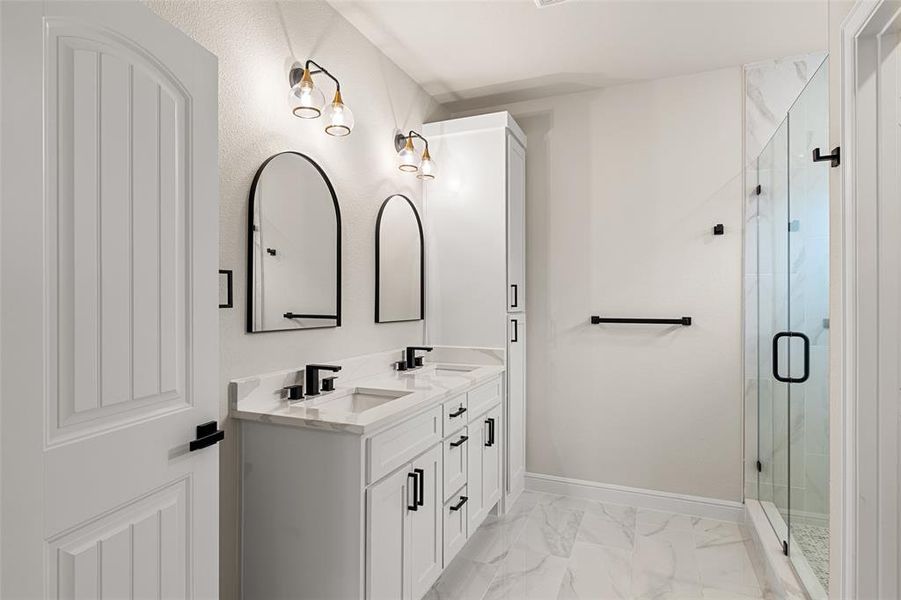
<point x="424" y="387"/>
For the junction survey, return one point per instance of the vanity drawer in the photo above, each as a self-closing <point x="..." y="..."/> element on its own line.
<point x="456" y="414"/>
<point x="392" y="448"/>
<point x="455" y="533"/>
<point x="455" y="448"/>
<point x="484" y="397"/>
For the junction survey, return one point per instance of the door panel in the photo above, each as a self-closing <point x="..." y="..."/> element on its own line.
<point x="426" y="524"/>
<point x="118" y="211"/>
<point x="139" y="547"/>
<point x="110" y="326"/>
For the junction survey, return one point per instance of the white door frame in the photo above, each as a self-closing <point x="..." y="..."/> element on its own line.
<point x="868" y="458"/>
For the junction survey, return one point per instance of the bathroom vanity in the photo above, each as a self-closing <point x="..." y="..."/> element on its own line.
<point x="370" y="490"/>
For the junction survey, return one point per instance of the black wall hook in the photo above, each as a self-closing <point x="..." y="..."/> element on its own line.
<point x="719" y="229"/>
<point x="835" y="158"/>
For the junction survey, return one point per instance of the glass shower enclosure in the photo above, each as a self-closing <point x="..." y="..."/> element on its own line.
<point x="792" y="333"/>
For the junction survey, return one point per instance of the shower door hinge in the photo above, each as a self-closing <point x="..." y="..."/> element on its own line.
<point x="758" y="190"/>
<point x="759" y="467"/>
<point x="784" y="547"/>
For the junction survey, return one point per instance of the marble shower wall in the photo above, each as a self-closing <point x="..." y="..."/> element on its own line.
<point x="771" y="87"/>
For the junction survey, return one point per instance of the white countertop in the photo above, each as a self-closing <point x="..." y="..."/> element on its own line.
<point x="425" y="385"/>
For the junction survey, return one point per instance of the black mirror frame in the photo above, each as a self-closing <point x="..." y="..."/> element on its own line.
<point x="378" y="225"/>
<point x="253" y="189"/>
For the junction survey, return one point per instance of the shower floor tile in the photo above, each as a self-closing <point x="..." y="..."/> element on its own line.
<point x="814" y="543"/>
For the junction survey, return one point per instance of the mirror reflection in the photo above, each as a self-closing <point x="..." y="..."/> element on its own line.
<point x="294" y="253"/>
<point x="399" y="262"/>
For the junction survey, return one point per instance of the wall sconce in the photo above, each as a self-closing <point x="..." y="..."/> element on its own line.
<point x="410" y="162"/>
<point x="308" y="102"/>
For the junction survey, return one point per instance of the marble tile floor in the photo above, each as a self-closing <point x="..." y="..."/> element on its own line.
<point x="555" y="547"/>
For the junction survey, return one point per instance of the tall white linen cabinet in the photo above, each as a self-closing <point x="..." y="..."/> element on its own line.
<point x="474" y="217"/>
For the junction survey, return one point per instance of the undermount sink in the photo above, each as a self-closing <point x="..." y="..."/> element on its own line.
<point x="356" y="400"/>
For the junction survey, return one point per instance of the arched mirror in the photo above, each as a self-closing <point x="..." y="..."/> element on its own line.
<point x="294" y="247"/>
<point x="399" y="262"/>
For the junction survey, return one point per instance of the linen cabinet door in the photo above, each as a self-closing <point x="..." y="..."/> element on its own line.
<point x="516" y="225"/>
<point x="515" y="416"/>
<point x="491" y="459"/>
<point x="388" y="506"/>
<point x="426" y="522"/>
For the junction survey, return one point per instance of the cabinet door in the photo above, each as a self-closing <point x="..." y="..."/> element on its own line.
<point x="388" y="536"/>
<point x="515" y="417"/>
<point x="491" y="459"/>
<point x="476" y="510"/>
<point x="516" y="225"/>
<point x="426" y="523"/>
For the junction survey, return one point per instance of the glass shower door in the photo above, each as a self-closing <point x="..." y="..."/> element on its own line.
<point x="773" y="320"/>
<point x="793" y="334"/>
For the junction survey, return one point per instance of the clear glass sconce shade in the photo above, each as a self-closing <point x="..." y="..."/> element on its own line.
<point x="407" y="159"/>
<point x="306" y="100"/>
<point x="427" y="168"/>
<point x="339" y="120"/>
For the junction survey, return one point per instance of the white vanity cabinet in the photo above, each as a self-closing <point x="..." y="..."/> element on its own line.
<point x="337" y="514"/>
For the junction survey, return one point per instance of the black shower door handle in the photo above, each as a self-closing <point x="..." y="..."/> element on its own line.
<point x="790" y="379"/>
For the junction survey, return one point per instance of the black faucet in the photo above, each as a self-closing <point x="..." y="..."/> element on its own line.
<point x="312" y="377"/>
<point x="410" y="354"/>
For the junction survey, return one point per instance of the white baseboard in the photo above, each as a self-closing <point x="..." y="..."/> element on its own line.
<point x="710" y="508"/>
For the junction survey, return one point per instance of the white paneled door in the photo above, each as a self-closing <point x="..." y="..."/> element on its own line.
<point x="109" y="356"/>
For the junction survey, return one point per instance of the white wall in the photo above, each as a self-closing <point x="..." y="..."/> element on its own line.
<point x="624" y="187"/>
<point x="255" y="42"/>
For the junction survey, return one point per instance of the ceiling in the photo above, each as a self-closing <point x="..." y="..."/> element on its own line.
<point x="474" y="53"/>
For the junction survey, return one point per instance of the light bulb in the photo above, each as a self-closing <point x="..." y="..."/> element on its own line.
<point x="407" y="159"/>
<point x="306" y="99"/>
<point x="339" y="119"/>
<point x="427" y="168"/>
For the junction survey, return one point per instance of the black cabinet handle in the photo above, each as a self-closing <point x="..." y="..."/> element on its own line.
<point x="515" y="330"/>
<point x="207" y="435"/>
<point x="515" y="303"/>
<point x="457" y="412"/>
<point x="414" y="506"/>
<point x="420" y="475"/>
<point x="790" y="379"/>
<point x="459" y="442"/>
<point x="459" y="504"/>
<point x="490" y="423"/>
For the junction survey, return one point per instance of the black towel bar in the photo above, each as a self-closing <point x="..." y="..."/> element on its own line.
<point x="684" y="321"/>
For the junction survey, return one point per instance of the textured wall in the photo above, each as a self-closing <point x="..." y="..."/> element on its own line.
<point x="624" y="186"/>
<point x="255" y="42"/>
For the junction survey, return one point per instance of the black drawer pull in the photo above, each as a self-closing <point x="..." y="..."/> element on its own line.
<point x="457" y="412"/>
<point x="459" y="442"/>
<point x="414" y="506"/>
<point x="459" y="504"/>
<point x="207" y="435"/>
